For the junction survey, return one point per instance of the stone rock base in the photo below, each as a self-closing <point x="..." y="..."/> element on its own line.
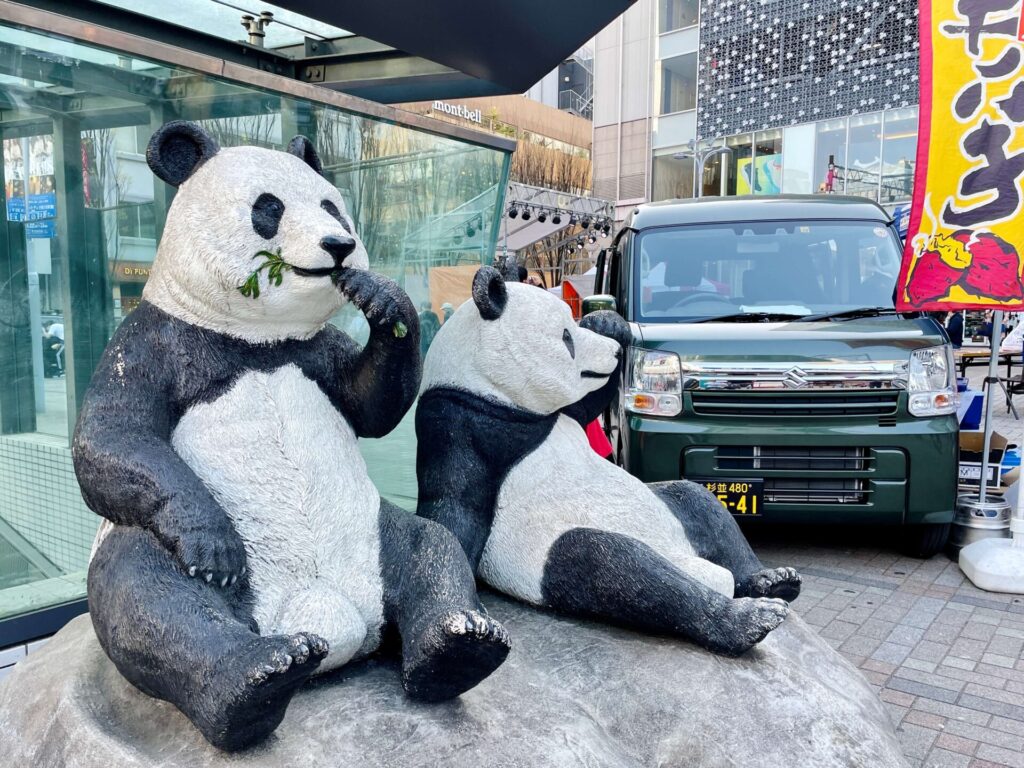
<point x="572" y="693"/>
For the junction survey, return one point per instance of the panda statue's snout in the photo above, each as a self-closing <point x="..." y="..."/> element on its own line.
<point x="339" y="246"/>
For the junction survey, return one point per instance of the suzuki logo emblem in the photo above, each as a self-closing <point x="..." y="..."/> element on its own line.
<point x="795" y="378"/>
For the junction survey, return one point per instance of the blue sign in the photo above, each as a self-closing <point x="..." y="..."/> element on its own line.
<point x="42" y="215"/>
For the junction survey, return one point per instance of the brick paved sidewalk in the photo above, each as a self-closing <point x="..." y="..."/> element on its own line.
<point x="945" y="657"/>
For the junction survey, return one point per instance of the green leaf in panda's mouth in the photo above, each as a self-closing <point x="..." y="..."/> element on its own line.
<point x="275" y="265"/>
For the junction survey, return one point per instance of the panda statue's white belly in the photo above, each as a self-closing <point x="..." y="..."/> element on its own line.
<point x="286" y="467"/>
<point x="563" y="485"/>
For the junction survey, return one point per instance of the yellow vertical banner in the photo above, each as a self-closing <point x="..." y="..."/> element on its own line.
<point x="966" y="231"/>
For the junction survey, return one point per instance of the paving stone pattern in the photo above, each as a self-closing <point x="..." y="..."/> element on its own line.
<point x="945" y="657"/>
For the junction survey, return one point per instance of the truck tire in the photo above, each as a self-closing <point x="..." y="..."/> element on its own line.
<point x="925" y="540"/>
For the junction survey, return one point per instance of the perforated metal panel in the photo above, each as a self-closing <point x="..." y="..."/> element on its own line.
<point x="769" y="63"/>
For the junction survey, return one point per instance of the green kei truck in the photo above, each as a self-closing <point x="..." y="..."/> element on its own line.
<point x="769" y="364"/>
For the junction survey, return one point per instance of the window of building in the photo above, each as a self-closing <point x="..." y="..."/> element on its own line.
<point x="83" y="217"/>
<point x="830" y="156"/>
<point x="679" y="83"/>
<point x="899" y="151"/>
<point x="798" y="146"/>
<point x="740" y="164"/>
<point x="864" y="156"/>
<point x="676" y="14"/>
<point x="671" y="178"/>
<point x="767" y="166"/>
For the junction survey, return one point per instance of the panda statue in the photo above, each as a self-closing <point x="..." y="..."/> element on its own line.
<point x="503" y="461"/>
<point x="245" y="547"/>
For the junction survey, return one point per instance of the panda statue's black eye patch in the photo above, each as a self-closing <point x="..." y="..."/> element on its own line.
<point x="332" y="210"/>
<point x="567" y="338"/>
<point x="266" y="215"/>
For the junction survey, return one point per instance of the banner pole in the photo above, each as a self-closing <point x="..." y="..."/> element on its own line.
<point x="989" y="389"/>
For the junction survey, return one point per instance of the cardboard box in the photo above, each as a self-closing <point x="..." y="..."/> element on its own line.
<point x="972" y="445"/>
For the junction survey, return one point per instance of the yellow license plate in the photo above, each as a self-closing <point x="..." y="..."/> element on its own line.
<point x="743" y="498"/>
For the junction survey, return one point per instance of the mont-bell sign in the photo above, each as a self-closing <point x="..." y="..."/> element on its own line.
<point x="459" y="110"/>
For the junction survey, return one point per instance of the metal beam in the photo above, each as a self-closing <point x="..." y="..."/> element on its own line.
<point x="228" y="66"/>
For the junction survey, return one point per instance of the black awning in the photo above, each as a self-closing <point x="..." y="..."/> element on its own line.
<point x="513" y="43"/>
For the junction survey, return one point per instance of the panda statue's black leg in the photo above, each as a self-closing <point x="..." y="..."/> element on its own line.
<point x="449" y="643"/>
<point x="186" y="641"/>
<point x="615" y="578"/>
<point x="716" y="536"/>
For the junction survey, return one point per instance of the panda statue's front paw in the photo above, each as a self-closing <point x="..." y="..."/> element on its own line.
<point x="380" y="299"/>
<point x="608" y="324"/>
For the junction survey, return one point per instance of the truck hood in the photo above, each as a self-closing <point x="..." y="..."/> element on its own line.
<point x="885" y="338"/>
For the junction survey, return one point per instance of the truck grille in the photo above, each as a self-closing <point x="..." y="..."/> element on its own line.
<point x="818" y="462"/>
<point x="748" y="404"/>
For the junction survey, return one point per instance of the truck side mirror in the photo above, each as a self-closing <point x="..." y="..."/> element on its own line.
<point x="597" y="302"/>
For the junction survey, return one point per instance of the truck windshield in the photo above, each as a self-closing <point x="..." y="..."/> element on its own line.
<point x="783" y="268"/>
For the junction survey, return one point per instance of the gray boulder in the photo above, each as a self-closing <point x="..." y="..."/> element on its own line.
<point x="572" y="693"/>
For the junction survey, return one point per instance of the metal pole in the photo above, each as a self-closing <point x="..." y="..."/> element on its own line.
<point x="990" y="381"/>
<point x="698" y="176"/>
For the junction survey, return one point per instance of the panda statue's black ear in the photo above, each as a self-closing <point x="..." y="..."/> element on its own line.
<point x="489" y="293"/>
<point x="177" y="149"/>
<point x="303" y="149"/>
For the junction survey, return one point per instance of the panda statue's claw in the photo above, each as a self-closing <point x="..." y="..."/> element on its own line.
<point x="453" y="654"/>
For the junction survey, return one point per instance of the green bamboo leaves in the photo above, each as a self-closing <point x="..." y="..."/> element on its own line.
<point x="275" y="266"/>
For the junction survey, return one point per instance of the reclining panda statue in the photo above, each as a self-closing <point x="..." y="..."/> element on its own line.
<point x="245" y="547"/>
<point x="503" y="462"/>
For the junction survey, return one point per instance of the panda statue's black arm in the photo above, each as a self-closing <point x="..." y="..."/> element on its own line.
<point x="378" y="388"/>
<point x="611" y="325"/>
<point x="126" y="467"/>
<point x="465" y="448"/>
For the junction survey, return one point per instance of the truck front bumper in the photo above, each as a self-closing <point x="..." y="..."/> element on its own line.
<point x="830" y="471"/>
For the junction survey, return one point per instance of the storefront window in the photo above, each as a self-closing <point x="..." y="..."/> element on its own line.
<point x="767" y="165"/>
<point x="798" y="146"/>
<point x="741" y="167"/>
<point x="679" y="83"/>
<point x="676" y="14"/>
<point x="899" y="150"/>
<point x="864" y="159"/>
<point x="671" y="178"/>
<point x="83" y="217"/>
<point x="830" y="157"/>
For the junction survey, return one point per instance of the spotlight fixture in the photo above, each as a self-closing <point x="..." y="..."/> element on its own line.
<point x="470" y="231"/>
<point x="542" y="216"/>
<point x="556" y="219"/>
<point x="585" y="223"/>
<point x="457" y="239"/>
<point x="606" y="229"/>
<point x="526" y="214"/>
<point x="574" y="220"/>
<point x="591" y="239"/>
<point x="513" y="212"/>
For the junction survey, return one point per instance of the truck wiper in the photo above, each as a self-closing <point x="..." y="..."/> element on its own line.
<point x="749" y="317"/>
<point x="850" y="314"/>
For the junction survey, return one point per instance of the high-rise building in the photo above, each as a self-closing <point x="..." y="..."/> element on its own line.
<point x="808" y="96"/>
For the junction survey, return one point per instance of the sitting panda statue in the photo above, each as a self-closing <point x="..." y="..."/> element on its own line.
<point x="245" y="547"/>
<point x="503" y="461"/>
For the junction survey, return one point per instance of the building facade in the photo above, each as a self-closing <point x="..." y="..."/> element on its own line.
<point x="810" y="96"/>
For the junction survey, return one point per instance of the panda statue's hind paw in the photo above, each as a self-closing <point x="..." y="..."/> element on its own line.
<point x="783" y="583"/>
<point x="453" y="654"/>
<point x="745" y="623"/>
<point x="256" y="685"/>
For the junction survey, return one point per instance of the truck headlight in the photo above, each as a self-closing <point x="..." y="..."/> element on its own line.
<point x="930" y="381"/>
<point x="654" y="383"/>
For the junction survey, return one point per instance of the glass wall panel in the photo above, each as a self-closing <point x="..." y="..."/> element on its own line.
<point x="767" y="165"/>
<point x="798" y="147"/>
<point x="83" y="217"/>
<point x="679" y="83"/>
<point x="899" y="153"/>
<point x="741" y="165"/>
<point x="830" y="156"/>
<point x="671" y="178"/>
<point x="676" y="14"/>
<point x="864" y="157"/>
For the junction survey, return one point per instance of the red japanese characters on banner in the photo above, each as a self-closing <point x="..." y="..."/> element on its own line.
<point x="966" y="231"/>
